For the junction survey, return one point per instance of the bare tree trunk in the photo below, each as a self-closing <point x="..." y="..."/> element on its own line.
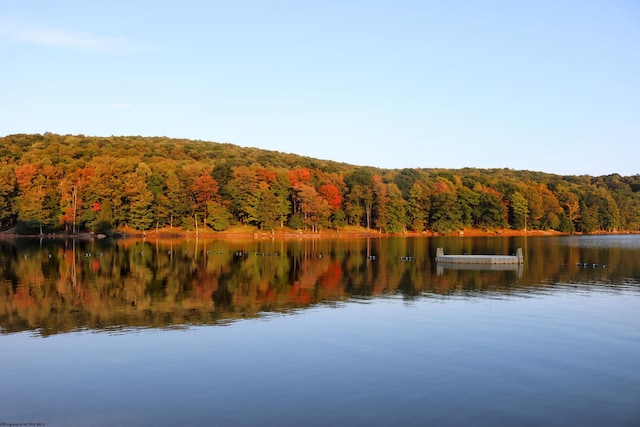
<point x="75" y="207"/>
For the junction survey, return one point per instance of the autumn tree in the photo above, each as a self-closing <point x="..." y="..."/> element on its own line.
<point x="8" y="194"/>
<point x="608" y="212"/>
<point x="314" y="210"/>
<point x="139" y="198"/>
<point x="543" y="206"/>
<point x="280" y="188"/>
<point x="406" y="180"/>
<point x="361" y="195"/>
<point x="205" y="191"/>
<point x="492" y="213"/>
<point x="381" y="210"/>
<point x="389" y="208"/>
<point x="626" y="197"/>
<point x="469" y="205"/>
<point x="518" y="211"/>
<point x="178" y="200"/>
<point x="418" y="206"/>
<point x="104" y="218"/>
<point x="218" y="216"/>
<point x="331" y="194"/>
<point x="157" y="185"/>
<point x="242" y="191"/>
<point x="445" y="211"/>
<point x="32" y="211"/>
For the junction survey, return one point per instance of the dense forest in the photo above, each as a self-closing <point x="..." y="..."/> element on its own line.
<point x="71" y="183"/>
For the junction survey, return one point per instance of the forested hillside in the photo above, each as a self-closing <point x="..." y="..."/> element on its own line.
<point x="71" y="183"/>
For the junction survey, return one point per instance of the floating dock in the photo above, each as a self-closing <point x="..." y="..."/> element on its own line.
<point x="479" y="259"/>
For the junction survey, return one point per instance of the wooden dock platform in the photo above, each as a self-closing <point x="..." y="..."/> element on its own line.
<point x="479" y="259"/>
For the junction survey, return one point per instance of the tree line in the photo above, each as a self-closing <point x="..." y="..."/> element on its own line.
<point x="71" y="183"/>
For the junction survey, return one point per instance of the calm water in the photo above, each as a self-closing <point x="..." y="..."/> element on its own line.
<point x="364" y="332"/>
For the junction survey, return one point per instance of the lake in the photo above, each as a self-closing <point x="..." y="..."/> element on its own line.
<point x="317" y="332"/>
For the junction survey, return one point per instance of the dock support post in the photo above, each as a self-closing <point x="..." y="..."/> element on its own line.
<point x="439" y="253"/>
<point x="519" y="255"/>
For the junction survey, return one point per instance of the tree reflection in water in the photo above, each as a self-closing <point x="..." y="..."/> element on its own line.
<point x="53" y="286"/>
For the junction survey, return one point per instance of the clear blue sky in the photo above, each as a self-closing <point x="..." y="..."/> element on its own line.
<point x="551" y="86"/>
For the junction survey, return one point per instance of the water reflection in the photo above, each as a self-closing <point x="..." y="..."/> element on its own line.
<point x="54" y="286"/>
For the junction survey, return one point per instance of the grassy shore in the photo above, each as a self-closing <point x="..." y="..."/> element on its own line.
<point x="253" y="232"/>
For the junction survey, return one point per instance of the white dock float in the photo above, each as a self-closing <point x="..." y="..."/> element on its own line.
<point x="479" y="259"/>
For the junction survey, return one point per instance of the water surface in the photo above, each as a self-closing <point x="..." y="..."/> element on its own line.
<point x="320" y="332"/>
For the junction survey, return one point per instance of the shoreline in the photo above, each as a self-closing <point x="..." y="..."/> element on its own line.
<point x="293" y="234"/>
